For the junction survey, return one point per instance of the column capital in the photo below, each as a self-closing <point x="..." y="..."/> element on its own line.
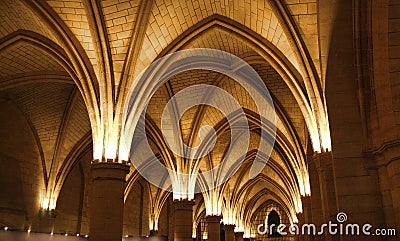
<point x="214" y="227"/>
<point x="229" y="226"/>
<point x="153" y="232"/>
<point x="229" y="232"/>
<point x="306" y="199"/>
<point x="105" y="160"/>
<point x="239" y="234"/>
<point x="213" y="219"/>
<point x="47" y="213"/>
<point x="183" y="204"/>
<point x="322" y="160"/>
<point x="109" y="171"/>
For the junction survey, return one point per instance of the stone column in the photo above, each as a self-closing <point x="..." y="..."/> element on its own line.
<point x="316" y="202"/>
<point x="214" y="229"/>
<point x="45" y="222"/>
<point x="107" y="201"/>
<point x="306" y="202"/>
<point x="239" y="236"/>
<point x="323" y="163"/>
<point x="183" y="220"/>
<point x="356" y="190"/>
<point x="153" y="232"/>
<point x="300" y="217"/>
<point x="229" y="232"/>
<point x="307" y="216"/>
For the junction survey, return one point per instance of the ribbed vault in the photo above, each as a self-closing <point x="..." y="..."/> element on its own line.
<point x="69" y="65"/>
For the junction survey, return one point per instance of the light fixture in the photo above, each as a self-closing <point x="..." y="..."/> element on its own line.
<point x="5" y="228"/>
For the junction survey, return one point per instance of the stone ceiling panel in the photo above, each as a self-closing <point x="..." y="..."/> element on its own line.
<point x="44" y="104"/>
<point x="14" y="15"/>
<point x="25" y="58"/>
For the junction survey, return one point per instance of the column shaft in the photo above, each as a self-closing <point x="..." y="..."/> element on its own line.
<point x="107" y="201"/>
<point x="316" y="202"/>
<point x="239" y="236"/>
<point x="214" y="229"/>
<point x="183" y="220"/>
<point x="307" y="216"/>
<point x="323" y="163"/>
<point x="229" y="232"/>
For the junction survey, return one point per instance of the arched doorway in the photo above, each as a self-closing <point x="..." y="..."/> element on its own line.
<point x="273" y="222"/>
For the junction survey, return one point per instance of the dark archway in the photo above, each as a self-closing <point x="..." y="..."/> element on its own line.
<point x="273" y="222"/>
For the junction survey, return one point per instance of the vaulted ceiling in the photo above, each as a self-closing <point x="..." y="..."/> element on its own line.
<point x="68" y="66"/>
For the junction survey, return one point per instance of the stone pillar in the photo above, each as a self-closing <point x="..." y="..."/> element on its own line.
<point x="214" y="229"/>
<point x="239" y="236"/>
<point x="153" y="232"/>
<point x="107" y="201"/>
<point x="183" y="220"/>
<point x="45" y="222"/>
<point x="306" y="202"/>
<point x="307" y="216"/>
<point x="300" y="217"/>
<point x="323" y="163"/>
<point x="356" y="190"/>
<point x="229" y="232"/>
<point x="316" y="202"/>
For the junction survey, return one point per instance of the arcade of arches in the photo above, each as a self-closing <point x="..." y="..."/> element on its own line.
<point x="67" y="67"/>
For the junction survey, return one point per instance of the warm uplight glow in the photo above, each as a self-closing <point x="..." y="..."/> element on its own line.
<point x="47" y="200"/>
<point x="307" y="187"/>
<point x="295" y="219"/>
<point x="194" y="231"/>
<point x="111" y="150"/>
<point x="239" y="226"/>
<point x="123" y="150"/>
<point x="213" y="202"/>
<point x="229" y="215"/>
<point x="106" y="145"/>
<point x="323" y="145"/>
<point x="326" y="141"/>
<point x="97" y="146"/>
<point x="298" y="205"/>
<point x="315" y="141"/>
<point x="153" y="225"/>
<point x="183" y="186"/>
